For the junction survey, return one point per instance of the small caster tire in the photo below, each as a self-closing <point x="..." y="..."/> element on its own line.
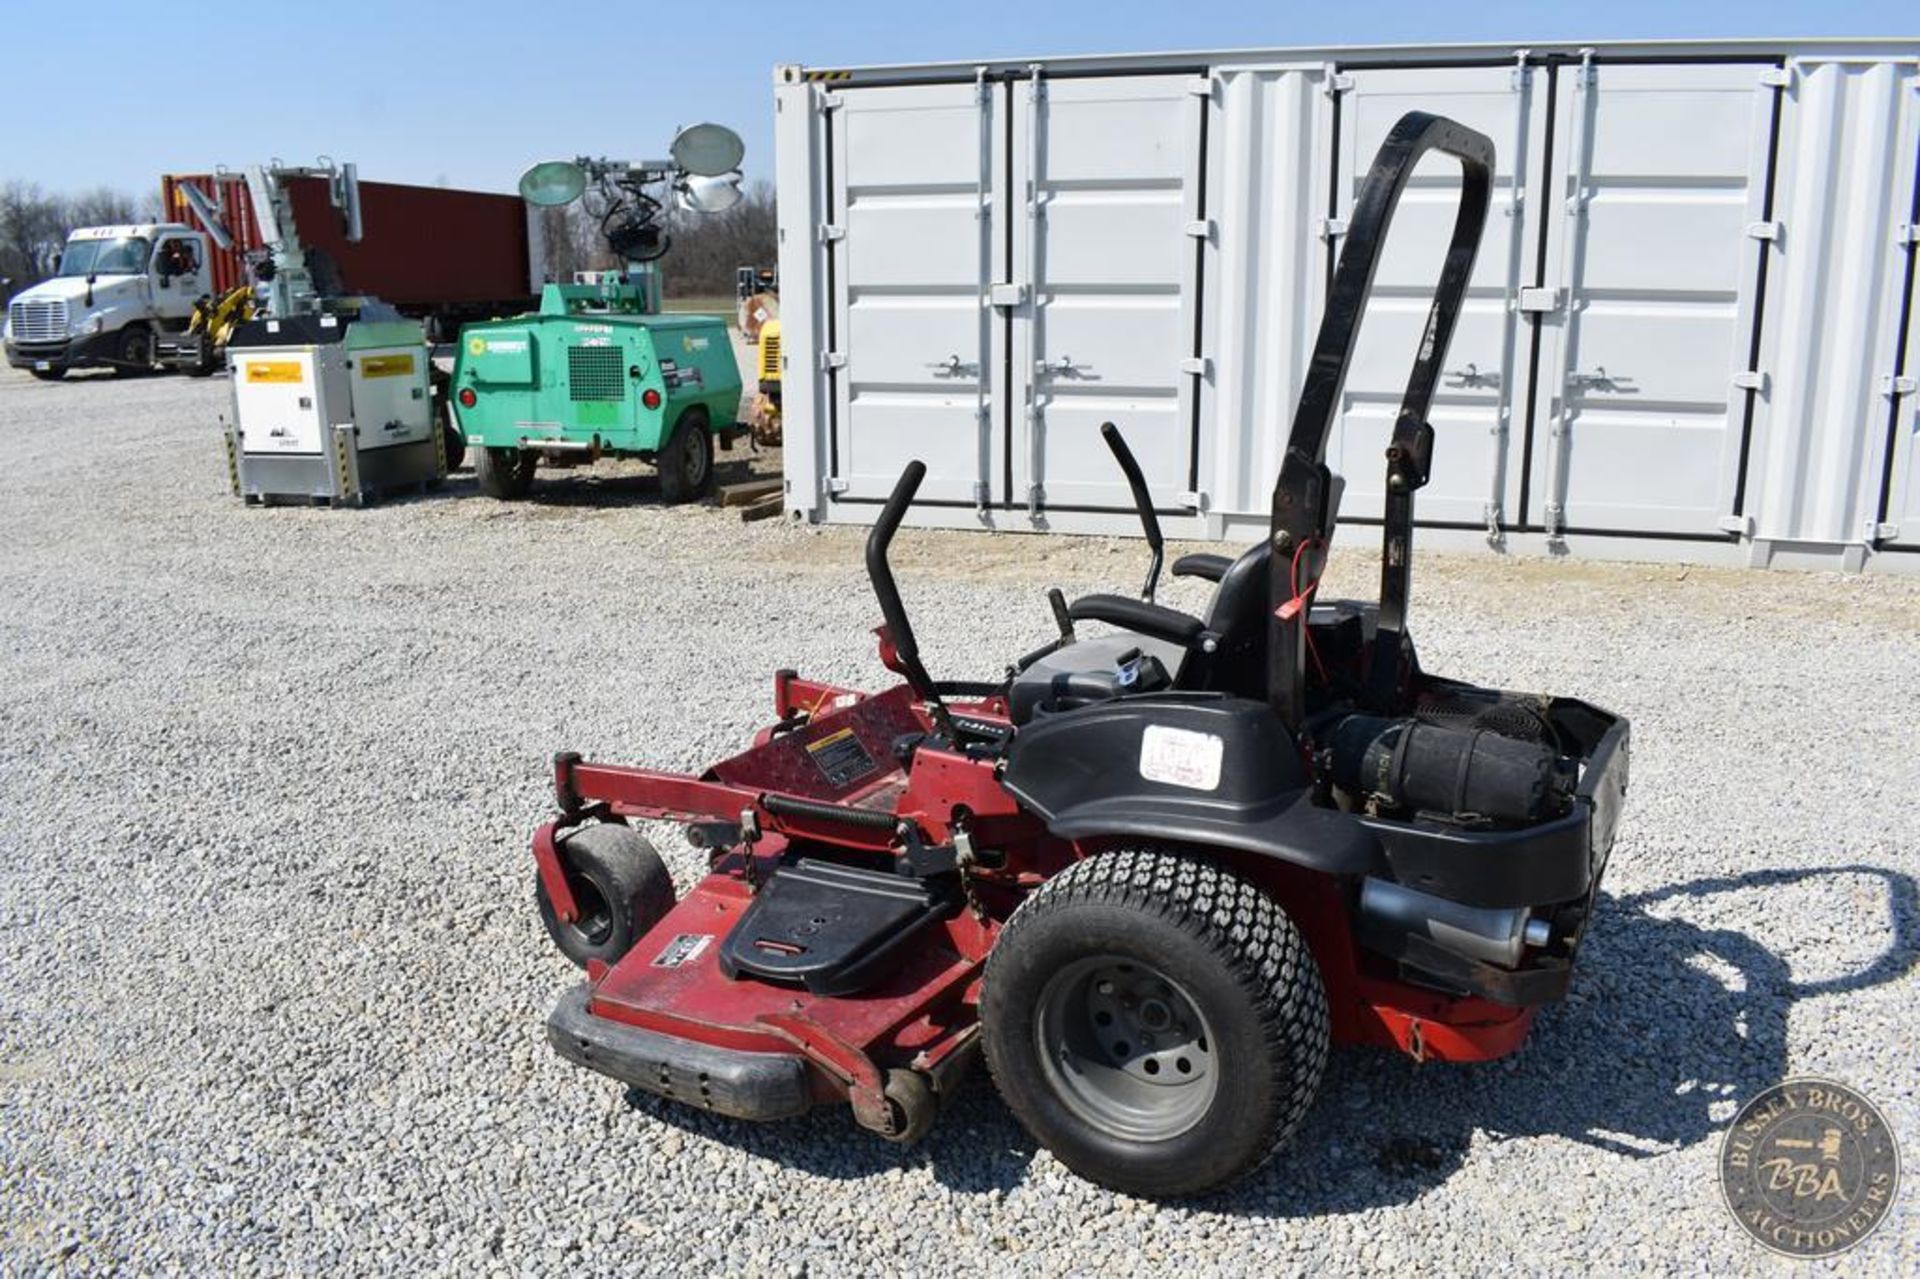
<point x="620" y="887"/>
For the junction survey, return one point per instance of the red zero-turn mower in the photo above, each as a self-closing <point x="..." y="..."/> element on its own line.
<point x="1152" y="873"/>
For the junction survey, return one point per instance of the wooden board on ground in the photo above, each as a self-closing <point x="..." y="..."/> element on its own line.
<point x="746" y="493"/>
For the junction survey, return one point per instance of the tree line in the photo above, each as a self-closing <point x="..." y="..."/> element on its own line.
<point x="34" y="225"/>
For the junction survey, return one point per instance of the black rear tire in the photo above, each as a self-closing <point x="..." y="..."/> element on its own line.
<point x="620" y="887"/>
<point x="506" y="474"/>
<point x="686" y="463"/>
<point x="1216" y="981"/>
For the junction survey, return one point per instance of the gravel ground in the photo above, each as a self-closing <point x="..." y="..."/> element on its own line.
<point x="272" y="985"/>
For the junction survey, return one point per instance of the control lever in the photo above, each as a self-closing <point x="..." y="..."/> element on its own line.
<point x="899" y="631"/>
<point x="1142" y="504"/>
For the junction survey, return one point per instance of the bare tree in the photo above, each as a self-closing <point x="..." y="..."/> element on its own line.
<point x="34" y="224"/>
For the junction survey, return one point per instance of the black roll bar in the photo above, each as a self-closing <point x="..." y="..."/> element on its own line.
<point x="1302" y="508"/>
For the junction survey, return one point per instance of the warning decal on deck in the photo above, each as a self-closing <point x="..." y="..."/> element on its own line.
<point x="841" y="757"/>
<point x="686" y="946"/>
<point x="1181" y="757"/>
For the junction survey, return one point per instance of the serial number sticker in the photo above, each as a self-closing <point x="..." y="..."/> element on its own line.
<point x="1181" y="757"/>
<point x="682" y="949"/>
<point x="841" y="757"/>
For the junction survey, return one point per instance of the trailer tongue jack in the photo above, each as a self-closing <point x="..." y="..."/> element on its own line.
<point x="1152" y="874"/>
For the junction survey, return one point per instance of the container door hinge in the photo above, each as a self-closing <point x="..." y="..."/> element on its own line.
<point x="1753" y="380"/>
<point x="1198" y="365"/>
<point x="1201" y="230"/>
<point x="831" y="231"/>
<point x="837" y="486"/>
<point x="830" y="101"/>
<point x="1491" y="513"/>
<point x="1738" y="525"/>
<point x="1777" y="77"/>
<point x="831" y="360"/>
<point x="1763" y="230"/>
<point x="980" y="495"/>
<point x="1893" y="386"/>
<point x="1909" y="234"/>
<point x="1329" y="228"/>
<point x="1201" y="86"/>
<point x="1875" y="531"/>
<point x="1007" y="295"/>
<point x="1337" y="83"/>
<point x="1541" y="299"/>
<point x="1194" y="500"/>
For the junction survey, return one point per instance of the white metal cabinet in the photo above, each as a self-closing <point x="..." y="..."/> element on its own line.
<point x="1476" y="471"/>
<point x="912" y="255"/>
<point x="1658" y="188"/>
<point x="1107" y="243"/>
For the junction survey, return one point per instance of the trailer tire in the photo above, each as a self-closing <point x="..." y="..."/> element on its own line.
<point x="686" y="463"/>
<point x="1156" y="1021"/>
<point x="506" y="474"/>
<point x="620" y="885"/>
<point x="133" y="353"/>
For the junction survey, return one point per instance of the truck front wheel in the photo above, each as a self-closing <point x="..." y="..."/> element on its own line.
<point x="506" y="474"/>
<point x="133" y="353"/>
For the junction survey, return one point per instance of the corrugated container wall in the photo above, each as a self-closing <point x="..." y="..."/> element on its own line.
<point x="227" y="193"/>
<point x="1689" y="333"/>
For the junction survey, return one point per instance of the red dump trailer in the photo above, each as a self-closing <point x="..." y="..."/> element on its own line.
<point x="433" y="252"/>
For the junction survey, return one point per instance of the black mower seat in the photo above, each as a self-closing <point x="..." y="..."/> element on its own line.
<point x="1221" y="653"/>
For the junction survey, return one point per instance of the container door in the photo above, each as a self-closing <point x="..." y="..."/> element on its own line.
<point x="1900" y="487"/>
<point x="1105" y="229"/>
<point x="911" y="256"/>
<point x="1658" y="190"/>
<point x="1482" y="398"/>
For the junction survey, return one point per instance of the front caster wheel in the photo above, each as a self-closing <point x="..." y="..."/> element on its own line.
<point x="620" y="889"/>
<point x="1155" y="1021"/>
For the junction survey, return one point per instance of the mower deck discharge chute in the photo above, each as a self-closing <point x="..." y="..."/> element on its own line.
<point x="1153" y="873"/>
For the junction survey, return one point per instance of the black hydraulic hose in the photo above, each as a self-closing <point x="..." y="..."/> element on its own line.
<point x="1142" y="503"/>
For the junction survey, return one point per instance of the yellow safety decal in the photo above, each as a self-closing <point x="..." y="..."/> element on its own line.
<point x="831" y="76"/>
<point x="274" y="371"/>
<point x="476" y="346"/>
<point x="386" y="366"/>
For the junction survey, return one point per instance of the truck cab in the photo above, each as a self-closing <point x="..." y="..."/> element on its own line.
<point x="116" y="288"/>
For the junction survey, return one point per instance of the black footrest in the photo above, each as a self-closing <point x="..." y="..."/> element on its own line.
<point x="829" y="927"/>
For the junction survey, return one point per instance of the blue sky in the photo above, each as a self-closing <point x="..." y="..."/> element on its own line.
<point x="468" y="94"/>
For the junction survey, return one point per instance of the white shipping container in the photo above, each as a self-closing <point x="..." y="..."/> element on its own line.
<point x="1689" y="334"/>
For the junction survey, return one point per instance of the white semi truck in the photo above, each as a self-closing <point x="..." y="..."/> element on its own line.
<point x="117" y="288"/>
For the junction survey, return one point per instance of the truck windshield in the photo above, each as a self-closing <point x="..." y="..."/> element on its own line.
<point x="125" y="256"/>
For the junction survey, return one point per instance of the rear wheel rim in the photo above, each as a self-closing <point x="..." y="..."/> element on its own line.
<point x="1126" y="1048"/>
<point x="694" y="461"/>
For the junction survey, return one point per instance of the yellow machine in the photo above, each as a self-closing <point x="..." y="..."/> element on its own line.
<point x="766" y="407"/>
